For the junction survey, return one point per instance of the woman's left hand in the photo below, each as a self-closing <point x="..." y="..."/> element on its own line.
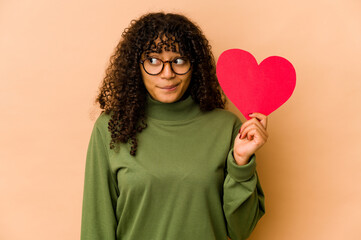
<point x="251" y="137"/>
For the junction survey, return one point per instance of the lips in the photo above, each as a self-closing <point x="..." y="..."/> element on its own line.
<point x="170" y="87"/>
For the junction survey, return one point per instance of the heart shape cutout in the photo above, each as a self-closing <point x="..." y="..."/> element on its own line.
<point x="255" y="88"/>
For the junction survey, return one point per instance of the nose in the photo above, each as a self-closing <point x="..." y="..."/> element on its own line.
<point x="167" y="72"/>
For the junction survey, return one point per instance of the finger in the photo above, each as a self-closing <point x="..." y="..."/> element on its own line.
<point x="256" y="137"/>
<point x="248" y="123"/>
<point x="259" y="130"/>
<point x="251" y="123"/>
<point x="260" y="117"/>
<point x="256" y="125"/>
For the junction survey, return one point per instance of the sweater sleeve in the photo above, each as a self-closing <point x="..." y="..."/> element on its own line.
<point x="243" y="198"/>
<point x="100" y="192"/>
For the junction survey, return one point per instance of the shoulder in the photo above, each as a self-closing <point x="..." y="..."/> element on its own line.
<point x="101" y="124"/>
<point x="225" y="116"/>
<point x="103" y="118"/>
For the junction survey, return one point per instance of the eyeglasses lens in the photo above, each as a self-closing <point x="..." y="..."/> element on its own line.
<point x="154" y="66"/>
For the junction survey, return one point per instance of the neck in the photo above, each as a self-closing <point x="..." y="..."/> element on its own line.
<point x="183" y="109"/>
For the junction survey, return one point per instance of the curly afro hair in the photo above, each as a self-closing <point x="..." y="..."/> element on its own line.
<point x="122" y="92"/>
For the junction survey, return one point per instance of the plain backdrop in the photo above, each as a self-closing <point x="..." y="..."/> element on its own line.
<point x="53" y="56"/>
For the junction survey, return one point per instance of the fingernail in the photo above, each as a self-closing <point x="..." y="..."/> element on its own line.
<point x="250" y="114"/>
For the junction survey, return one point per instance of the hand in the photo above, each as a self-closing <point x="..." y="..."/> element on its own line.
<point x="251" y="137"/>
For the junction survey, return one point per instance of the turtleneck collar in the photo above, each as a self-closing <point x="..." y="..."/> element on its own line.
<point x="184" y="109"/>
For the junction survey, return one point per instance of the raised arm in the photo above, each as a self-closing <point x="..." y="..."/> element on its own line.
<point x="243" y="199"/>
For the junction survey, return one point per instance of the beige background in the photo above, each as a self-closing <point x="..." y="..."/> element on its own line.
<point x="52" y="59"/>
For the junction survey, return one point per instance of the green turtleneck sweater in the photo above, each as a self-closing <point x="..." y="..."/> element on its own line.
<point x="182" y="184"/>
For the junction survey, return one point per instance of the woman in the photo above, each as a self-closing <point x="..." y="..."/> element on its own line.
<point x="165" y="160"/>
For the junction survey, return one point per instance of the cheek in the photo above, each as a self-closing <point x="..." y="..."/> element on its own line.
<point x="187" y="80"/>
<point x="145" y="77"/>
<point x="149" y="83"/>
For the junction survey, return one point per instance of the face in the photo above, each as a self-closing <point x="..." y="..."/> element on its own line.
<point x="167" y="86"/>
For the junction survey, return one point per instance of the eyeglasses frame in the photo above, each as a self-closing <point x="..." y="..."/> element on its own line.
<point x="164" y="62"/>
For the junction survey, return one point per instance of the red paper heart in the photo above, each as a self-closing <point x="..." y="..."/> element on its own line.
<point x="255" y="88"/>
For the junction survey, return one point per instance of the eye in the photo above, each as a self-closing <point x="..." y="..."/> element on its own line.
<point x="179" y="61"/>
<point x="154" y="61"/>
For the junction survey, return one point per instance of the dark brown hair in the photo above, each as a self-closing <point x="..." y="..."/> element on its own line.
<point x="123" y="93"/>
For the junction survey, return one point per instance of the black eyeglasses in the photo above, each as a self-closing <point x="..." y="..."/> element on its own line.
<point x="154" y="66"/>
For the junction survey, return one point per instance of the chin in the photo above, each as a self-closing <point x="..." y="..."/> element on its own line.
<point x="168" y="99"/>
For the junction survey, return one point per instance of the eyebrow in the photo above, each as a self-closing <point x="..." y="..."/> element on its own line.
<point x="154" y="54"/>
